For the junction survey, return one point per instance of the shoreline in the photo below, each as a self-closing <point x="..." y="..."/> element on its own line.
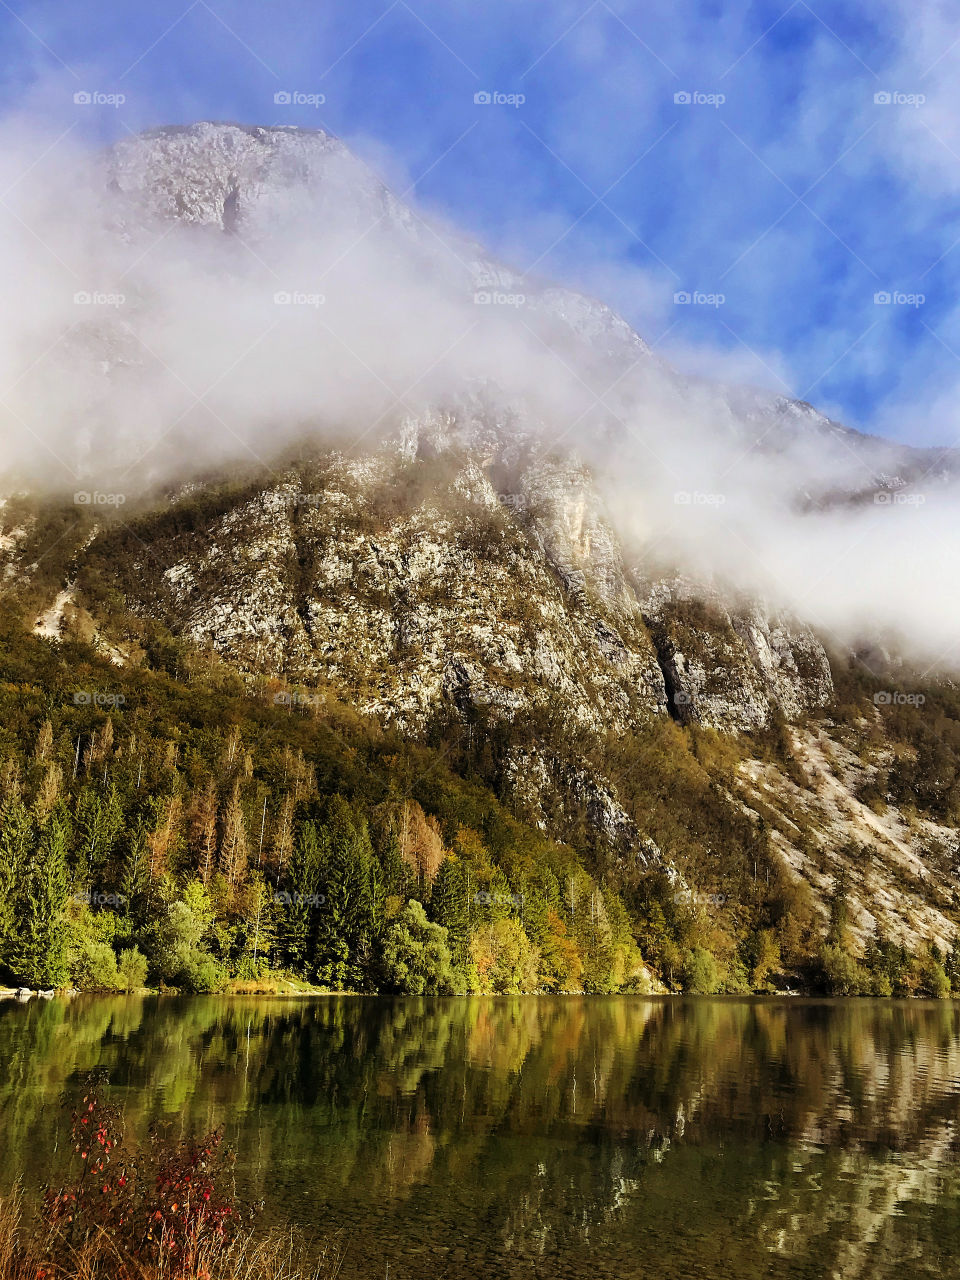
<point x="24" y="996"/>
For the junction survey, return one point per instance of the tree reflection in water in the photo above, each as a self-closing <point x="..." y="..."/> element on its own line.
<point x="614" y="1136"/>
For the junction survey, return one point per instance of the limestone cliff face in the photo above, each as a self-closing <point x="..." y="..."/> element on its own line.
<point x="731" y="668"/>
<point x="457" y="574"/>
<point x="412" y="605"/>
<point x="418" y="585"/>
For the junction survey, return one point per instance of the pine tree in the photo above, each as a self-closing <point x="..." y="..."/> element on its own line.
<point x="421" y="845"/>
<point x="299" y="901"/>
<point x="839" y="911"/>
<point x="16" y="832"/>
<point x="38" y="951"/>
<point x="101" y="745"/>
<point x="449" y="907"/>
<point x="348" y="927"/>
<point x="99" y="819"/>
<point x="952" y="965"/>
<point x="9" y="778"/>
<point x="397" y="877"/>
<point x="44" y="741"/>
<point x="134" y="883"/>
<point x="162" y="838"/>
<point x="283" y="837"/>
<point x="49" y="791"/>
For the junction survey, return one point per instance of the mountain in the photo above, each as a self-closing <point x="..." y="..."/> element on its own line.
<point x="474" y="573"/>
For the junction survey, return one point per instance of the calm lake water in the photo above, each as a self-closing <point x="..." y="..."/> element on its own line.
<point x="532" y="1136"/>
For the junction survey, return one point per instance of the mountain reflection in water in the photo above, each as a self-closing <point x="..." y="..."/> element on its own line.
<point x="538" y="1136"/>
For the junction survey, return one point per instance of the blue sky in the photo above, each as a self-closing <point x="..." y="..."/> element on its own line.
<point x="782" y="186"/>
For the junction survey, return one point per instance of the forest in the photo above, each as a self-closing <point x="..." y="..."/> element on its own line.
<point x="171" y="825"/>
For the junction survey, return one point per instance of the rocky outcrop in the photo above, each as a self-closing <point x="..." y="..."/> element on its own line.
<point x="446" y="576"/>
<point x="412" y="604"/>
<point x="553" y="793"/>
<point x="733" y="668"/>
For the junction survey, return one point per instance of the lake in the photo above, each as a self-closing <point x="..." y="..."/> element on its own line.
<point x="538" y="1136"/>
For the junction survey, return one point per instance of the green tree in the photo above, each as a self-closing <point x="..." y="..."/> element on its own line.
<point x="93" y="963"/>
<point x="931" y="976"/>
<point x="298" y="902"/>
<point x="701" y="973"/>
<point x="764" y="959"/>
<point x="16" y="833"/>
<point x="348" y="926"/>
<point x="38" y="955"/>
<point x="449" y="907"/>
<point x="505" y="959"/>
<point x="952" y="965"/>
<point x="99" y="819"/>
<point x="416" y="957"/>
<point x="175" y="944"/>
<point x="131" y="969"/>
<point x="839" y="912"/>
<point x="842" y="976"/>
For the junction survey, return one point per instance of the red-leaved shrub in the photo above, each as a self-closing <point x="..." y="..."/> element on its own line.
<point x="170" y="1205"/>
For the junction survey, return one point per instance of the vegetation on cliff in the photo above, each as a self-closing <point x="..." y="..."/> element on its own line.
<point x="169" y="823"/>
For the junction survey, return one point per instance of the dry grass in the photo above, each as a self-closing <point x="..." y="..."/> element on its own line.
<point x="44" y="1254"/>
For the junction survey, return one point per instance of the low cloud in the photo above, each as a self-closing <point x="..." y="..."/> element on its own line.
<point x="192" y="301"/>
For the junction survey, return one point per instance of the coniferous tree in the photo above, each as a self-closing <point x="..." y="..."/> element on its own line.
<point x="99" y="819"/>
<point x="283" y="837"/>
<point x="38" y="954"/>
<point x="44" y="742"/>
<point x="397" y="876"/>
<point x="449" y="907"/>
<point x="203" y="831"/>
<point x="49" y="791"/>
<point x="16" y="831"/>
<point x="234" y="854"/>
<point x="134" y="882"/>
<point x="839" y="911"/>
<point x="347" y="923"/>
<point x="162" y="837"/>
<point x="299" y="901"/>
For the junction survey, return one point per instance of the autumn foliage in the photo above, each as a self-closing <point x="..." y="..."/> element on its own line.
<point x="169" y="1206"/>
